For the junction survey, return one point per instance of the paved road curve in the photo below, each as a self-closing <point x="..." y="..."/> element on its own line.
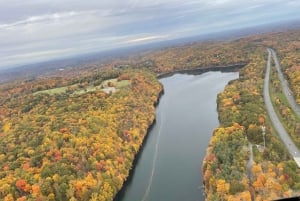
<point x="284" y="85"/>
<point x="274" y="118"/>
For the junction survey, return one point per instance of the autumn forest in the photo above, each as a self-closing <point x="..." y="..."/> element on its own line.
<point x="74" y="134"/>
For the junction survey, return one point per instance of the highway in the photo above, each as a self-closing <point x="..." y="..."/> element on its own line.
<point x="291" y="147"/>
<point x="284" y="85"/>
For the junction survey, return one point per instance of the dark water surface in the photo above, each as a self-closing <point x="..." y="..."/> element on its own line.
<point x="169" y="165"/>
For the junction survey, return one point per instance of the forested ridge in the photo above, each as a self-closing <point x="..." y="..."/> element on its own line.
<point x="273" y="174"/>
<point x="73" y="135"/>
<point x="69" y="146"/>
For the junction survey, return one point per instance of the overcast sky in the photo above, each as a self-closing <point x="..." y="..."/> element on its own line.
<point x="37" y="30"/>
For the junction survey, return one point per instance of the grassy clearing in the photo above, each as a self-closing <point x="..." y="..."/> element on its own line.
<point x="105" y="84"/>
<point x="116" y="83"/>
<point x="123" y="83"/>
<point x="57" y="90"/>
<point x="87" y="89"/>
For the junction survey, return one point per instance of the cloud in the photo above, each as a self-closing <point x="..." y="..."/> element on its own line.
<point x="41" y="29"/>
<point x="39" y="19"/>
<point x="148" y="38"/>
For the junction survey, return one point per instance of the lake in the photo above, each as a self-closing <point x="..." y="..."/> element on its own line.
<point x="168" y="167"/>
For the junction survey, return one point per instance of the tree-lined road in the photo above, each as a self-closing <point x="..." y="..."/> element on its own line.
<point x="284" y="85"/>
<point x="293" y="150"/>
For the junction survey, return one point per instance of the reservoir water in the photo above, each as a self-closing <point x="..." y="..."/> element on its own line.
<point x="168" y="167"/>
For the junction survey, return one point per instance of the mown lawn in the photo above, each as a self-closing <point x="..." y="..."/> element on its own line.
<point x="114" y="82"/>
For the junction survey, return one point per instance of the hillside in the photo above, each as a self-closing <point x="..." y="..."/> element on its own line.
<point x="73" y="134"/>
<point x="73" y="146"/>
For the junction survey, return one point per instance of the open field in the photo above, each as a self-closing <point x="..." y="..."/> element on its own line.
<point x="105" y="86"/>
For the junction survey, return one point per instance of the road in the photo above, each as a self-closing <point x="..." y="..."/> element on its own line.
<point x="284" y="85"/>
<point x="250" y="162"/>
<point x="291" y="147"/>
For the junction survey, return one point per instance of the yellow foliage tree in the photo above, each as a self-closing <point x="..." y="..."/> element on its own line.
<point x="222" y="187"/>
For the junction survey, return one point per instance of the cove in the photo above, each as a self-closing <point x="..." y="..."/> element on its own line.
<point x="168" y="167"/>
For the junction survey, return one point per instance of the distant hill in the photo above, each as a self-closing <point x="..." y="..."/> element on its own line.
<point x="49" y="67"/>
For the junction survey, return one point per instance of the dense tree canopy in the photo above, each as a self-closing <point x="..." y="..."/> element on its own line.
<point x="273" y="174"/>
<point x="74" y="135"/>
<point x="69" y="146"/>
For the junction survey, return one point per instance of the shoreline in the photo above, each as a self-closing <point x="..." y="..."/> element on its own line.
<point x="128" y="180"/>
<point x="200" y="70"/>
<point x="196" y="71"/>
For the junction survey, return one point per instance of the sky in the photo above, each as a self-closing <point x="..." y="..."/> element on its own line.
<point x="38" y="30"/>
